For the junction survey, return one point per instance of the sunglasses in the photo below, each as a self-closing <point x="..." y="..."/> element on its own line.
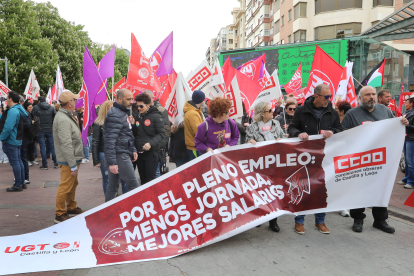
<point x="292" y="108"/>
<point x="140" y="106"/>
<point x="327" y="97"/>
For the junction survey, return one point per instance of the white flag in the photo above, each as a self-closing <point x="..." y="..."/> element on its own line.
<point x="180" y="94"/>
<point x="59" y="85"/>
<point x="4" y="90"/>
<point x="270" y="93"/>
<point x="32" y="87"/>
<point x="217" y="82"/>
<point x="341" y="92"/>
<point x="49" y="96"/>
<point x="201" y="78"/>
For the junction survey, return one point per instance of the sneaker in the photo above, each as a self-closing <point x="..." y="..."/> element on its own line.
<point x="43" y="167"/>
<point x="27" y="181"/>
<point x="273" y="225"/>
<point x="14" y="189"/>
<point x="357" y="227"/>
<point x="38" y="160"/>
<point x="1" y="161"/>
<point x="35" y="163"/>
<point x="408" y="186"/>
<point x="322" y="228"/>
<point x="344" y="213"/>
<point x="6" y="162"/>
<point x="56" y="166"/>
<point x="401" y="182"/>
<point x="24" y="186"/>
<point x="59" y="219"/>
<point x="29" y="163"/>
<point x="383" y="225"/>
<point x="84" y="160"/>
<point x="75" y="212"/>
<point x="299" y="228"/>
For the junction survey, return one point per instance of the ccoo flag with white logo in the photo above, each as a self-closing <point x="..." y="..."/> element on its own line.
<point x="216" y="196"/>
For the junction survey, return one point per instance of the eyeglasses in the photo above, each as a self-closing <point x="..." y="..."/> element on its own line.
<point x="140" y="106"/>
<point x="327" y="97"/>
<point x="270" y="111"/>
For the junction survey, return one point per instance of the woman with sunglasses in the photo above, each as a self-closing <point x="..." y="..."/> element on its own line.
<point x="149" y="133"/>
<point x="218" y="131"/>
<point x="264" y="128"/>
<point x="286" y="118"/>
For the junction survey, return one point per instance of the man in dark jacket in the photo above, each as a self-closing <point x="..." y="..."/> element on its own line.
<point x="119" y="144"/>
<point x="316" y="116"/>
<point x="167" y="126"/>
<point x="46" y="114"/>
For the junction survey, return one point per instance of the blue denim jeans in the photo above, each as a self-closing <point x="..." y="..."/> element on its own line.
<point x="193" y="154"/>
<point x="105" y="172"/>
<point x="23" y="157"/>
<point x="46" y="137"/>
<point x="409" y="162"/>
<point x="319" y="218"/>
<point x="180" y="162"/>
<point x="13" y="153"/>
<point x="158" y="173"/>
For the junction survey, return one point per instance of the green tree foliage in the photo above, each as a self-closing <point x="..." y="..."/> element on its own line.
<point x="33" y="35"/>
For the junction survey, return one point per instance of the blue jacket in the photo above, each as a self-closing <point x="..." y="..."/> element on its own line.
<point x="9" y="133"/>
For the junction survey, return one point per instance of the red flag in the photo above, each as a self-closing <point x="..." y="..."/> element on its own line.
<point x="167" y="88"/>
<point x="410" y="200"/>
<point x="254" y="68"/>
<point x="325" y="70"/>
<point x="299" y="95"/>
<point x="391" y="106"/>
<point x="140" y="74"/>
<point x="228" y="72"/>
<point x="296" y="82"/>
<point x="402" y="101"/>
<point x="117" y="86"/>
<point x="350" y="94"/>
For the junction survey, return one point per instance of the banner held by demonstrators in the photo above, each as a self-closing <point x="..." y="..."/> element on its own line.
<point x="217" y="196"/>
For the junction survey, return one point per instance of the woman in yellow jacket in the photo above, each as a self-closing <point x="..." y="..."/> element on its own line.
<point x="193" y="116"/>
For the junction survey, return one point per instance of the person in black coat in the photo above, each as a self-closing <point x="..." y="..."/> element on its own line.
<point x="286" y="117"/>
<point x="316" y="116"/>
<point x="27" y="140"/>
<point x="149" y="134"/>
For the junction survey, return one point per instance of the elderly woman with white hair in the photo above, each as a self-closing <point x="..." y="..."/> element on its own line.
<point x="264" y="128"/>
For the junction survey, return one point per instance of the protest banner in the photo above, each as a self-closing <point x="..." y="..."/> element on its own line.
<point x="219" y="195"/>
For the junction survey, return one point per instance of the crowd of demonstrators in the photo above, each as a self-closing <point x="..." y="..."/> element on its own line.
<point x="193" y="117"/>
<point x="98" y="154"/>
<point x="408" y="180"/>
<point x="11" y="136"/>
<point x="217" y="131"/>
<point x="149" y="133"/>
<point x="265" y="128"/>
<point x="369" y="111"/>
<point x="167" y="128"/>
<point x="69" y="154"/>
<point x="119" y="146"/>
<point x="316" y="116"/>
<point x="46" y="114"/>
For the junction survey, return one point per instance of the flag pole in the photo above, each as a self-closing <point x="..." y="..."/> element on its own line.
<point x="357" y="81"/>
<point x="112" y="93"/>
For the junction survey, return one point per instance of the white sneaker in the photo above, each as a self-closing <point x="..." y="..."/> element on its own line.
<point x="26" y="182"/>
<point x="1" y="161"/>
<point x="344" y="213"/>
<point x="35" y="163"/>
<point x="408" y="186"/>
<point x="30" y="163"/>
<point x="6" y="162"/>
<point x="401" y="182"/>
<point x="84" y="160"/>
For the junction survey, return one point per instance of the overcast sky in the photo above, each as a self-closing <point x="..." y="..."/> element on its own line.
<point x="193" y="22"/>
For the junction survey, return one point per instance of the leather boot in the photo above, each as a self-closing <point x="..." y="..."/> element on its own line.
<point x="383" y="225"/>
<point x="357" y="227"/>
<point x="273" y="225"/>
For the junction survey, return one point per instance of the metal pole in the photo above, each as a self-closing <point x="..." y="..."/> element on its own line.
<point x="112" y="94"/>
<point x="7" y="77"/>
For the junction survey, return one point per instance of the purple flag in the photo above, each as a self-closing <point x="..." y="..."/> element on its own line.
<point x="161" y="60"/>
<point x="91" y="82"/>
<point x="106" y="69"/>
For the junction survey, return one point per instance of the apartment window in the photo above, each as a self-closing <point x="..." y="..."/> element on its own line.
<point x="236" y="32"/>
<point x="299" y="36"/>
<point x="283" y="21"/>
<point x="337" y="31"/>
<point x="383" y="3"/>
<point x="277" y="26"/>
<point x="289" y="38"/>
<point x="230" y="41"/>
<point x="289" y="15"/>
<point x="277" y="5"/>
<point x="266" y="32"/>
<point x="299" y="10"/>
<point x="333" y="5"/>
<point x="235" y="45"/>
<point x="230" y="31"/>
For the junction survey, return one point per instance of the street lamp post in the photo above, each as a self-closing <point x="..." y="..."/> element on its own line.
<point x="7" y="78"/>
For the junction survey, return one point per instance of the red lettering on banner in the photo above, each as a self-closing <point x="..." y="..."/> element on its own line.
<point x="198" y="79"/>
<point x="354" y="161"/>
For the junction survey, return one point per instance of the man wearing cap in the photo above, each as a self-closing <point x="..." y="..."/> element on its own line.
<point x="69" y="153"/>
<point x="193" y="116"/>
